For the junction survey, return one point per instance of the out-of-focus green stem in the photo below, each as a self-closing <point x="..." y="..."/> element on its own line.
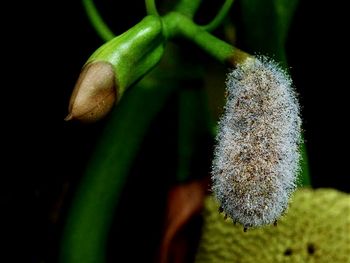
<point x="188" y="109"/>
<point x="188" y="7"/>
<point x="219" y="17"/>
<point x="194" y="129"/>
<point x="96" y="20"/>
<point x="304" y="176"/>
<point x="151" y="7"/>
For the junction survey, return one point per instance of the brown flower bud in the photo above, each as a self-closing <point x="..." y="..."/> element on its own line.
<point x="94" y="93"/>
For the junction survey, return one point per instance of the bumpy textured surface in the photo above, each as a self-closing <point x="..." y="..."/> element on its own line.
<point x="316" y="229"/>
<point x="256" y="158"/>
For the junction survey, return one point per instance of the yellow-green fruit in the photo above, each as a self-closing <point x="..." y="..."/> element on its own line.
<point x="316" y="228"/>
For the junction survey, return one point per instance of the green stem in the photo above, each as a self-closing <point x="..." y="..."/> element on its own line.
<point x="194" y="129"/>
<point x="178" y="25"/>
<point x="188" y="110"/>
<point x="188" y="7"/>
<point x="91" y="214"/>
<point x="151" y="7"/>
<point x="304" y="176"/>
<point x="219" y="17"/>
<point x="96" y="20"/>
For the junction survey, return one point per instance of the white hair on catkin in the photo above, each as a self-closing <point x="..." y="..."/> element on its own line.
<point x="256" y="159"/>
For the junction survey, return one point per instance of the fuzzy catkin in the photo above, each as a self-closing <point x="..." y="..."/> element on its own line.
<point x="256" y="158"/>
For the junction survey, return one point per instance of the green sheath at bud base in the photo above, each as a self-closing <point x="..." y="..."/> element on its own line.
<point x="134" y="52"/>
<point x="119" y="63"/>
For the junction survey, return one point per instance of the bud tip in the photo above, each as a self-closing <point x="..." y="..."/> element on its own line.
<point x="94" y="94"/>
<point x="69" y="117"/>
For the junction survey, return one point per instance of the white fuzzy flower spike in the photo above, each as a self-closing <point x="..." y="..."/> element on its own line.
<point x="256" y="159"/>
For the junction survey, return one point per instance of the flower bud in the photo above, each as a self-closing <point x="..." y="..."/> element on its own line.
<point x="114" y="67"/>
<point x="94" y="94"/>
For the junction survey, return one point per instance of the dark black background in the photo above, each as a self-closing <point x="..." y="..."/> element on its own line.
<point x="44" y="46"/>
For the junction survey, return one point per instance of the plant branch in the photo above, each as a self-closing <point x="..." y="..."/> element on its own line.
<point x="96" y="20"/>
<point x="178" y="25"/>
<point x="151" y="7"/>
<point x="219" y="17"/>
<point x="188" y="7"/>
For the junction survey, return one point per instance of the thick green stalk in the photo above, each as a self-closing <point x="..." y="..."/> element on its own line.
<point x="91" y="213"/>
<point x="178" y="25"/>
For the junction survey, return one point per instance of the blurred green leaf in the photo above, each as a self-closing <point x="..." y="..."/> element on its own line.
<point x="266" y="25"/>
<point x="194" y="129"/>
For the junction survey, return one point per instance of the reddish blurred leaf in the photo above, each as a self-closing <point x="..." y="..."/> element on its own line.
<point x="185" y="201"/>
